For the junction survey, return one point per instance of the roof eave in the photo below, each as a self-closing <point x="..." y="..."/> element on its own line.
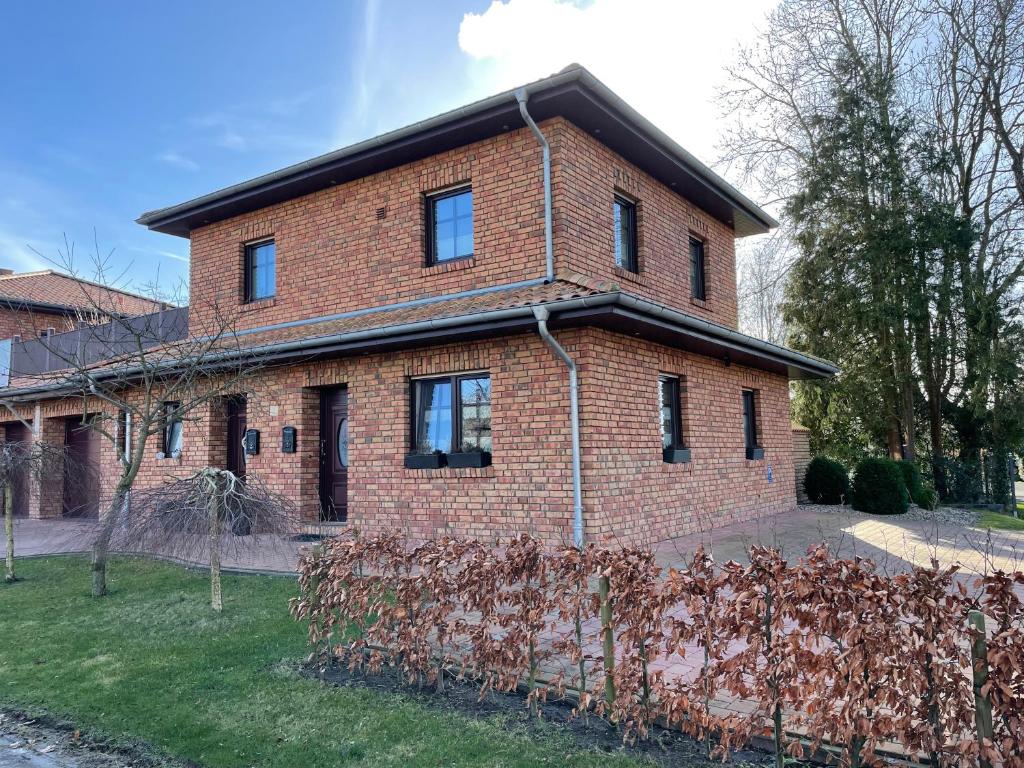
<point x="573" y="93"/>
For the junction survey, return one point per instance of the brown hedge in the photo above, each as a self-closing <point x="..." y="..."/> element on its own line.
<point x="827" y="651"/>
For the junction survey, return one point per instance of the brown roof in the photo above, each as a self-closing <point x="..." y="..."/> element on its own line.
<point x="48" y="287"/>
<point x="570" y="287"/>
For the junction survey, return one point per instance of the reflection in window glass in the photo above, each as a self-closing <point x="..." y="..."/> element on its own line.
<point x="260" y="269"/>
<point x="452" y="225"/>
<point x="475" y="404"/>
<point x="433" y="426"/>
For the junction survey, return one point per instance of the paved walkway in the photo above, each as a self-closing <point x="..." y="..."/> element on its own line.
<point x="896" y="543"/>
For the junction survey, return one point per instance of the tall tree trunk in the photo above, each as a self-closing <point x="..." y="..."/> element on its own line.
<point x="9" y="576"/>
<point x="935" y="438"/>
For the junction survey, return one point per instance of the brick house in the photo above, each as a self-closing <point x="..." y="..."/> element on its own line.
<point x="519" y="315"/>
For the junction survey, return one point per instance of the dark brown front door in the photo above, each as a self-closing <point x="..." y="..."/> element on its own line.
<point x="81" y="478"/>
<point x="18" y="433"/>
<point x="236" y="434"/>
<point x="334" y="455"/>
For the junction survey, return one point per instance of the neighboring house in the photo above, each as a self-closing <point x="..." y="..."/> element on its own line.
<point x="46" y="301"/>
<point x="404" y="288"/>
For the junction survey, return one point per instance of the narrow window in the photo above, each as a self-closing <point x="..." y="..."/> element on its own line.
<point x="172" y="430"/>
<point x="698" y="276"/>
<point x="452" y="414"/>
<point x="673" y="445"/>
<point x="260" y="270"/>
<point x="625" y="233"/>
<point x="124" y="434"/>
<point x="750" y="437"/>
<point x="450" y="226"/>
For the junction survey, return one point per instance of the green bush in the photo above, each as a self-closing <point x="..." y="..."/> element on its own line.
<point x="826" y="481"/>
<point x="929" y="498"/>
<point x="912" y="479"/>
<point x="878" y="488"/>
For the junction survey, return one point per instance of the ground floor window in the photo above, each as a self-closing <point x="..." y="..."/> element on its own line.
<point x="673" y="444"/>
<point x="451" y="414"/>
<point x="172" y="430"/>
<point x="750" y="429"/>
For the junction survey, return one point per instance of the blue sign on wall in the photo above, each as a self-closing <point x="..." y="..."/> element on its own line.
<point x="771" y="474"/>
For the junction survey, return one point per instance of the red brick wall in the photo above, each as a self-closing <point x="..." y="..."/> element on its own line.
<point x="28" y="325"/>
<point x="586" y="175"/>
<point x="634" y="494"/>
<point x="335" y="255"/>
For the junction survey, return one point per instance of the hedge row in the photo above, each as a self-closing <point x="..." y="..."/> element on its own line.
<point x="851" y="656"/>
<point x="880" y="486"/>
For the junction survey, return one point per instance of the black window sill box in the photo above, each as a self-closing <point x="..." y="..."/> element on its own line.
<point x="470" y="459"/>
<point x="754" y="454"/>
<point x="676" y="455"/>
<point x="425" y="460"/>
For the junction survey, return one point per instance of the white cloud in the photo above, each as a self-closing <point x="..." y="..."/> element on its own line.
<point x="178" y="161"/>
<point x="666" y="58"/>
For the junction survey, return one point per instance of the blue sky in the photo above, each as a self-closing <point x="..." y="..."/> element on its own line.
<point x="115" y="108"/>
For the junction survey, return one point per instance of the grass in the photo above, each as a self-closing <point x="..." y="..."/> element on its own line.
<point x="1002" y="522"/>
<point x="151" y="661"/>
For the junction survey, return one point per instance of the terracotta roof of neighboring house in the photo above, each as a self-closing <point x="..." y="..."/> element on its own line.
<point x="49" y="289"/>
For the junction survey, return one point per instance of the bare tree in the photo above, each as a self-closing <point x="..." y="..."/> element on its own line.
<point x="762" y="270"/>
<point x="207" y="515"/>
<point x="136" y="378"/>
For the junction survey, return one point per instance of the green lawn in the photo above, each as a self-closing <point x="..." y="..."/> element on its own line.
<point x="152" y="662"/>
<point x="1002" y="522"/>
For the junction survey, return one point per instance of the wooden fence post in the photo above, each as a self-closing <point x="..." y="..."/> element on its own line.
<point x="979" y="665"/>
<point x="607" y="640"/>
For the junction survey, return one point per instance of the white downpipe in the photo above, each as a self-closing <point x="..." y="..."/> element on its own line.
<point x="542" y="314"/>
<point x="549" y="251"/>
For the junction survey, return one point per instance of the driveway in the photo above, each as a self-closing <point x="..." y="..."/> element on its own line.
<point x="896" y="543"/>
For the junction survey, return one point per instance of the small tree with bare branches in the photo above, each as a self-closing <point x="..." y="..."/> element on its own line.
<point x="136" y="377"/>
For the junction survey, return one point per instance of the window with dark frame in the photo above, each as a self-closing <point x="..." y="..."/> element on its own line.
<point x="124" y="434"/>
<point x="449" y="225"/>
<point x="451" y="415"/>
<point x="624" y="214"/>
<point x="260" y="270"/>
<point x="673" y="444"/>
<point x="172" y="430"/>
<point x="698" y="272"/>
<point x="750" y="436"/>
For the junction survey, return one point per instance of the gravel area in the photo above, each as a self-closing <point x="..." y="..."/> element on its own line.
<point x="943" y="515"/>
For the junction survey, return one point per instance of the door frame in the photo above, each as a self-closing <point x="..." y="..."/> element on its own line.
<point x="327" y="446"/>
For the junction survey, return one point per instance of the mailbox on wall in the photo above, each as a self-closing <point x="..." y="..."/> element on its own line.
<point x="252" y="442"/>
<point x="288" y="440"/>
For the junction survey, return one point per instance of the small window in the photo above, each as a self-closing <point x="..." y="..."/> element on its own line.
<point x="698" y="275"/>
<point x="172" y="430"/>
<point x="452" y="414"/>
<point x="260" y="270"/>
<point x="750" y="434"/>
<point x="124" y="434"/>
<point x="673" y="445"/>
<point x="450" y="226"/>
<point x="625" y="234"/>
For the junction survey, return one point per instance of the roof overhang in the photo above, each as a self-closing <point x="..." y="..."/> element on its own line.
<point x="573" y="93"/>
<point x="615" y="311"/>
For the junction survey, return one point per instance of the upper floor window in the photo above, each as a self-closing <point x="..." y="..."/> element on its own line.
<point x="452" y="414"/>
<point x="260" y="270"/>
<point x="698" y="276"/>
<point x="172" y="430"/>
<point x="625" y="233"/>
<point x="450" y="225"/>
<point x="750" y="432"/>
<point x="673" y="444"/>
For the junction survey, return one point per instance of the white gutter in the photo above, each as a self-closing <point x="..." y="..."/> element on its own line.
<point x="549" y="252"/>
<point x="541" y="313"/>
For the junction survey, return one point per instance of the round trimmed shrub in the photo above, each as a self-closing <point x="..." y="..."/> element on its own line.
<point x="912" y="479"/>
<point x="826" y="481"/>
<point x="878" y="488"/>
<point x="929" y="498"/>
